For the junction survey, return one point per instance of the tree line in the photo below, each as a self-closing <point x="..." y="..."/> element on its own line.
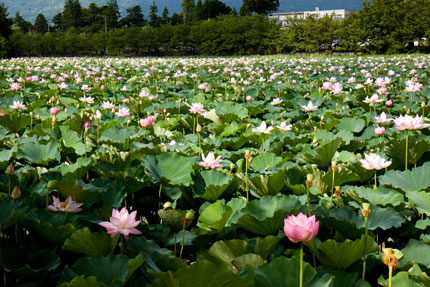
<point x="210" y="27"/>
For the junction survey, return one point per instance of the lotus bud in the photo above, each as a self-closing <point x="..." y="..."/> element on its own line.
<point x="31" y="115"/>
<point x="128" y="122"/>
<point x="51" y="184"/>
<point x="247" y="155"/>
<point x="10" y="170"/>
<point x="189" y="216"/>
<point x="198" y="128"/>
<point x="423" y="104"/>
<point x="366" y="210"/>
<point x="16" y="192"/>
<point x="337" y="190"/>
<point x="38" y="117"/>
<point x="248" y="98"/>
<point x="389" y="103"/>
<point x="309" y="178"/>
<point x="167" y="205"/>
<point x="334" y="165"/>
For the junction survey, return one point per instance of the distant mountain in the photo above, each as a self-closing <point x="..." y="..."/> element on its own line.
<point x="29" y="9"/>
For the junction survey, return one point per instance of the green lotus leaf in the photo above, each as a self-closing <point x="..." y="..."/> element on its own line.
<point x="415" y="252"/>
<point x="40" y="153"/>
<point x="27" y="263"/>
<point x="285" y="272"/>
<point x="202" y="273"/>
<point x="354" y="125"/>
<point x="79" y="191"/>
<point x="342" y="279"/>
<point x="421" y="200"/>
<point x="408" y="180"/>
<point x="419" y="276"/>
<point x="82" y="281"/>
<point x="265" y="246"/>
<point x="422" y="224"/>
<point x="77" y="170"/>
<point x="400" y="279"/>
<point x="266" y="161"/>
<point x="227" y="251"/>
<point x="380" y="196"/>
<point x="170" y="168"/>
<point x="71" y="139"/>
<point x="248" y="260"/>
<point x="210" y="184"/>
<point x="340" y="255"/>
<point x="149" y="247"/>
<point x="14" y="123"/>
<point x="117" y="134"/>
<point x="55" y="228"/>
<point x="112" y="270"/>
<point x="6" y="156"/>
<point x="322" y="155"/>
<point x="12" y="211"/>
<point x="265" y="216"/>
<point x="211" y="115"/>
<point x="90" y="243"/>
<point x="416" y="149"/>
<point x="214" y="217"/>
<point x="230" y="111"/>
<point x="267" y="184"/>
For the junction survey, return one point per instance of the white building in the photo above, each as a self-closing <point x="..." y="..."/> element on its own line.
<point x="283" y="17"/>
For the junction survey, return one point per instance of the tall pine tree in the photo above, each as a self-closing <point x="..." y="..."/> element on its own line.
<point x="154" y="19"/>
<point x="72" y="14"/>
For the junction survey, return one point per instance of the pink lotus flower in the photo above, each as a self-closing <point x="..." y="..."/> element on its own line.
<point x="373" y="99"/>
<point x="121" y="222"/>
<point x="210" y="161"/>
<point x="380" y="131"/>
<point x="248" y="98"/>
<point x="197" y="108"/>
<point x="383" y="119"/>
<point x="54" y="110"/>
<point x="300" y="228"/>
<point x="147" y="122"/>
<point x="17" y="105"/>
<point x="263" y="129"/>
<point x="409" y="123"/>
<point x="123" y="112"/>
<point x="86" y="125"/>
<point x="374" y="161"/>
<point x="67" y="206"/>
<point x="284" y="127"/>
<point x="389" y="103"/>
<point x="108" y="105"/>
<point x="310" y="107"/>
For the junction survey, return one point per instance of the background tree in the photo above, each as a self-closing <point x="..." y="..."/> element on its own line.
<point x="134" y="17"/>
<point x="72" y="14"/>
<point x="154" y="19"/>
<point x="165" y="16"/>
<point x="176" y="19"/>
<point x="260" y="6"/>
<point x="214" y="8"/>
<point x="41" y="24"/>
<point x="200" y="15"/>
<point x="24" y="25"/>
<point x="112" y="14"/>
<point x="58" y="22"/>
<point x="5" y="22"/>
<point x="93" y="18"/>
<point x="188" y="10"/>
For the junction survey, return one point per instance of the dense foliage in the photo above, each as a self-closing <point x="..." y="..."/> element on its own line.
<point x="381" y="26"/>
<point x="181" y="171"/>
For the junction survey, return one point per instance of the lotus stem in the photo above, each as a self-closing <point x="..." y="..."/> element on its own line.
<point x="406" y="151"/>
<point x="174" y="239"/>
<point x="332" y="184"/>
<point x="376" y="184"/>
<point x="246" y="181"/>
<point x="159" y="195"/>
<point x="200" y="143"/>
<point x="262" y="143"/>
<point x="98" y="133"/>
<point x="194" y="125"/>
<point x="308" y="201"/>
<point x="85" y="144"/>
<point x="365" y="239"/>
<point x="390" y="276"/>
<point x="183" y="240"/>
<point x="301" y="265"/>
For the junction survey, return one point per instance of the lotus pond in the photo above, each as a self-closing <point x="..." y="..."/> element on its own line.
<point x="182" y="171"/>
